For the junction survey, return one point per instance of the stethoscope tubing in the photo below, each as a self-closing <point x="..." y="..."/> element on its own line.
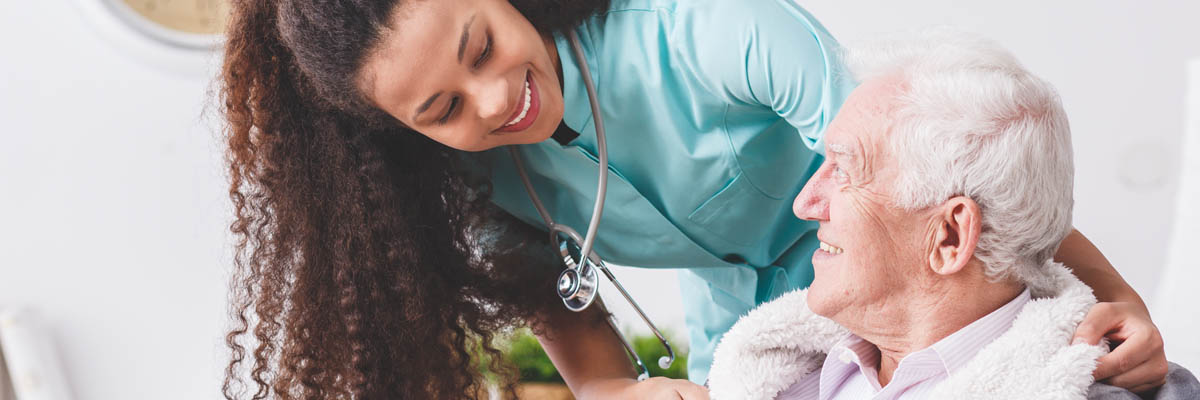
<point x="589" y="239"/>
<point x="601" y="145"/>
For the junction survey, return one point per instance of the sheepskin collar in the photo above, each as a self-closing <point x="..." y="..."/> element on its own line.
<point x="776" y="344"/>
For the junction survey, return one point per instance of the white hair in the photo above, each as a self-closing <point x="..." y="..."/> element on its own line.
<point x="971" y="121"/>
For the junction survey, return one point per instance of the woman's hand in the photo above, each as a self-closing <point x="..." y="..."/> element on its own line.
<point x="656" y="388"/>
<point x="1138" y="363"/>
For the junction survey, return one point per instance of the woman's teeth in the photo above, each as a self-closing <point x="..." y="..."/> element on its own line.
<point x="525" y="108"/>
<point x="830" y="248"/>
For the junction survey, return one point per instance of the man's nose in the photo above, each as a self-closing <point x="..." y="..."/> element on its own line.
<point x="812" y="203"/>
<point x="491" y="97"/>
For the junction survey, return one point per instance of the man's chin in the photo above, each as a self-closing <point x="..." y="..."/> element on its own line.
<point x="820" y="302"/>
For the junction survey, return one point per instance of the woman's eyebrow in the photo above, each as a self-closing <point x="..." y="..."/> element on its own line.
<point x="425" y="106"/>
<point x="462" y="48"/>
<point x="462" y="40"/>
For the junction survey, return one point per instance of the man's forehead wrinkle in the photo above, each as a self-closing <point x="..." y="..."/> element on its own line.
<point x="886" y="93"/>
<point x="868" y="156"/>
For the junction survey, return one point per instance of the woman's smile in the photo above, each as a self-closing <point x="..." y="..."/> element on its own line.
<point x="526" y="111"/>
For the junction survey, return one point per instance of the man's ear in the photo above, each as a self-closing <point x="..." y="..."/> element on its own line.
<point x="957" y="232"/>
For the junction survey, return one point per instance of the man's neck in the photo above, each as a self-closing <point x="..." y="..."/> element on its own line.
<point x="928" y="315"/>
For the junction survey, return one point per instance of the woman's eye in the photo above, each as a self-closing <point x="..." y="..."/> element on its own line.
<point x="449" y="110"/>
<point x="487" y="51"/>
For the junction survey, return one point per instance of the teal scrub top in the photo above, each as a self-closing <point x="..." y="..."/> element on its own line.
<point x="714" y="112"/>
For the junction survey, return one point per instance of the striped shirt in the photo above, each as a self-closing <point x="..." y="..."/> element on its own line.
<point x="851" y="370"/>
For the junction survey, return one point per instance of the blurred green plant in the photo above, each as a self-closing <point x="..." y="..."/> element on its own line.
<point x="649" y="349"/>
<point x="531" y="360"/>
<point x="522" y="350"/>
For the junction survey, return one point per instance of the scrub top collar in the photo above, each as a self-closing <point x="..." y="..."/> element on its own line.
<point x="564" y="134"/>
<point x="577" y="111"/>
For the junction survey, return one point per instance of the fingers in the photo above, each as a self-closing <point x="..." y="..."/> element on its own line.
<point x="692" y="391"/>
<point x="1141" y="364"/>
<point x="1131" y="353"/>
<point x="1143" y="377"/>
<point x="1142" y="389"/>
<point x="665" y="388"/>
<point x="1138" y="363"/>
<point x="1101" y="319"/>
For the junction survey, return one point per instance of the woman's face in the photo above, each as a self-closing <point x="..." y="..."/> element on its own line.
<point x="470" y="74"/>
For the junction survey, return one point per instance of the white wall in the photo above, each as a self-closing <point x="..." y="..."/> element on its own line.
<point x="113" y="200"/>
<point x="112" y="204"/>
<point x="1177" y="297"/>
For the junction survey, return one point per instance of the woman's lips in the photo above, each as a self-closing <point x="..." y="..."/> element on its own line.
<point x="531" y="114"/>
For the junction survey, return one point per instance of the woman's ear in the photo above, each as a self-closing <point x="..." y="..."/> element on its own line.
<point x="957" y="232"/>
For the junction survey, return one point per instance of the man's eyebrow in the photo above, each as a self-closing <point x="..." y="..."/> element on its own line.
<point x="425" y="106"/>
<point x="462" y="40"/>
<point x="850" y="156"/>
<point x="838" y="149"/>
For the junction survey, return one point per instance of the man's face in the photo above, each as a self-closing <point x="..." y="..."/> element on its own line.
<point x="871" y="252"/>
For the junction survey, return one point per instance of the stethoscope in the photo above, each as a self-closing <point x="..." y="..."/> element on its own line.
<point x="578" y="283"/>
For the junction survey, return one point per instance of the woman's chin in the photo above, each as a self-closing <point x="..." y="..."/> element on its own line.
<point x="539" y="132"/>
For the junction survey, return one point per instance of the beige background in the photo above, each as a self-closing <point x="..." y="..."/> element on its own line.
<point x="191" y="16"/>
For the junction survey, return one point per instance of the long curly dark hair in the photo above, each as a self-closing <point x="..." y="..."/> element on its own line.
<point x="367" y="264"/>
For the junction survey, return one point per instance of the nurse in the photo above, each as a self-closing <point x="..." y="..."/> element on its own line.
<point x="368" y="150"/>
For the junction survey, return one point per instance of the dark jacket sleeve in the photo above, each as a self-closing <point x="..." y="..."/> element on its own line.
<point x="1181" y="385"/>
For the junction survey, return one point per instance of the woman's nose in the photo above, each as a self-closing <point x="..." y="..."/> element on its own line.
<point x="491" y="98"/>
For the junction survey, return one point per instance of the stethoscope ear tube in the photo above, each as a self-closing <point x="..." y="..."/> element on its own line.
<point x="664" y="362"/>
<point x="578" y="284"/>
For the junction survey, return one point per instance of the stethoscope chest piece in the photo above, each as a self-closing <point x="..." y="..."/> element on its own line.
<point x="577" y="284"/>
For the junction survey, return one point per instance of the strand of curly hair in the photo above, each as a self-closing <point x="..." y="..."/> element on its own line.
<point x="366" y="265"/>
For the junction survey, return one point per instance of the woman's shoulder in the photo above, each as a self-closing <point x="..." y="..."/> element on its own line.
<point x="697" y="20"/>
<point x="716" y="7"/>
<point x="618" y="6"/>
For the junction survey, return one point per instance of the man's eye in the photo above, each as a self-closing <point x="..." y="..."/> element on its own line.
<point x="449" y="110"/>
<point x="487" y="51"/>
<point x="839" y="174"/>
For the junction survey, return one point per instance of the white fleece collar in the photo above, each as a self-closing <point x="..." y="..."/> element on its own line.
<point x="776" y="344"/>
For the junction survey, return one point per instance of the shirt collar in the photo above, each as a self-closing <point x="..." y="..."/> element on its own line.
<point x="849" y="354"/>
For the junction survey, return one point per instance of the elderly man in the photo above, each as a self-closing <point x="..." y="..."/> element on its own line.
<point x="945" y="194"/>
